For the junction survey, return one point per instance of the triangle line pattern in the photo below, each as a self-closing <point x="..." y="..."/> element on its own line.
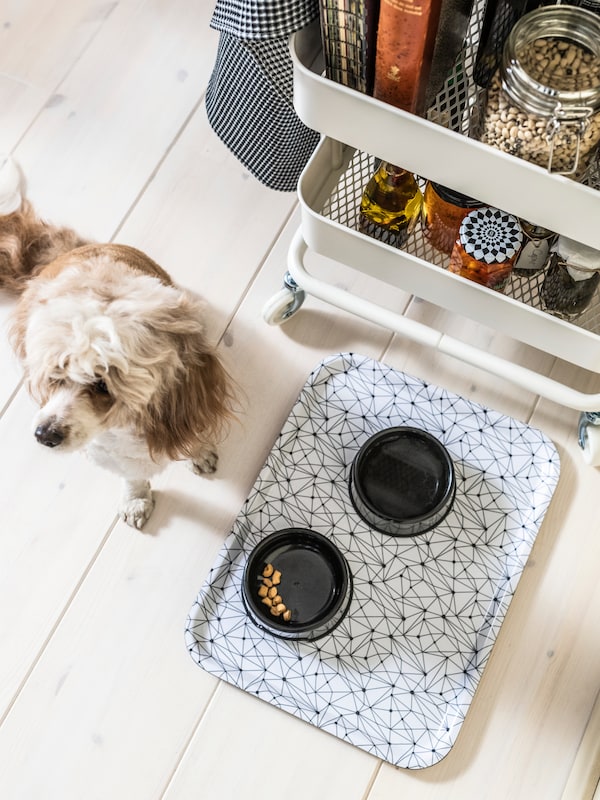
<point x="397" y="676"/>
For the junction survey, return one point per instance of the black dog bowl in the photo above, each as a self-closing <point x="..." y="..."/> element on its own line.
<point x="314" y="584"/>
<point x="402" y="481"/>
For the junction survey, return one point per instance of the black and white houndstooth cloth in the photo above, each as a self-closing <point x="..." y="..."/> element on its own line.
<point x="249" y="100"/>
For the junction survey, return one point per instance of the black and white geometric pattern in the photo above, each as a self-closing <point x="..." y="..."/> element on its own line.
<point x="396" y="677"/>
<point x="490" y="235"/>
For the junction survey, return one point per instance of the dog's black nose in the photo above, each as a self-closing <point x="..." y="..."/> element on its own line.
<point x="49" y="435"/>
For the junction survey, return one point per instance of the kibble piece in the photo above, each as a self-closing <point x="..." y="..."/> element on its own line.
<point x="268" y="582"/>
<point x="275" y="611"/>
<point x="272" y="592"/>
<point x="276" y="577"/>
<point x="268" y="570"/>
<point x="281" y="607"/>
<point x="287" y="615"/>
<point x="277" y="599"/>
<point x="267" y="601"/>
<point x="262" y="591"/>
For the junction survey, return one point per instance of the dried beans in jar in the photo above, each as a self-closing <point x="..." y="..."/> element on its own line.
<point x="543" y="104"/>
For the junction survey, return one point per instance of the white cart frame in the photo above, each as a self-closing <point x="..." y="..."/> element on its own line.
<point x="451" y="158"/>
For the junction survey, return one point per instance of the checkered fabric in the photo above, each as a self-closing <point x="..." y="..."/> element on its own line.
<point x="490" y="235"/>
<point x="263" y="19"/>
<point x="249" y="100"/>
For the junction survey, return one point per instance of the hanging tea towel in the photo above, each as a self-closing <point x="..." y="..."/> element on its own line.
<point x="249" y="100"/>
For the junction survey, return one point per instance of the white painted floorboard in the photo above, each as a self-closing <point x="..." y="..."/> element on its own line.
<point x="102" y="105"/>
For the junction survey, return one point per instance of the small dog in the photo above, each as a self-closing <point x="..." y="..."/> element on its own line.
<point x="112" y="351"/>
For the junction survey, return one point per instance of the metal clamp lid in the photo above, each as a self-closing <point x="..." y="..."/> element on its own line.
<point x="562" y="121"/>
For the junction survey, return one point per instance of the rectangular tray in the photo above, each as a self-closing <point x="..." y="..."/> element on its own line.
<point x="398" y="674"/>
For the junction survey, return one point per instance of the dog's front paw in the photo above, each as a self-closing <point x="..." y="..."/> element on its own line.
<point x="137" y="503"/>
<point x="205" y="464"/>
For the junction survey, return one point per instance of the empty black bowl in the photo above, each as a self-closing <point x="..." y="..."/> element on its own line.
<point x="402" y="481"/>
<point x="315" y="584"/>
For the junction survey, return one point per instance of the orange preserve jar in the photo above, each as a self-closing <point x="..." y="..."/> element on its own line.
<point x="488" y="243"/>
<point x="443" y="211"/>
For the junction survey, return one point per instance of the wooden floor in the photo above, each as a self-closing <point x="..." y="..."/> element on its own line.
<point x="102" y="103"/>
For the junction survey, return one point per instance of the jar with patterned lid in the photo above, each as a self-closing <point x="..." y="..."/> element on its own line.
<point x="487" y="245"/>
<point x="543" y="103"/>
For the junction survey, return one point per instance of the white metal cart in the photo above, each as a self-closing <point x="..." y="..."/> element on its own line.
<point x="357" y="127"/>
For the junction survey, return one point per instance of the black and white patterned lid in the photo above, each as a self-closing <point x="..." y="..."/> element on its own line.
<point x="490" y="235"/>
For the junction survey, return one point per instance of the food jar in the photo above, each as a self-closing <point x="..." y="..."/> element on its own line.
<point x="543" y="104"/>
<point x="443" y="211"/>
<point x="571" y="279"/>
<point x="486" y="248"/>
<point x="535" y="249"/>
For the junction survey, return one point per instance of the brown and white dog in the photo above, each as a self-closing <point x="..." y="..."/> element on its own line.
<point x="113" y="352"/>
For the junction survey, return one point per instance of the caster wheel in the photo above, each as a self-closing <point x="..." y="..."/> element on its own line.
<point x="283" y="305"/>
<point x="591" y="445"/>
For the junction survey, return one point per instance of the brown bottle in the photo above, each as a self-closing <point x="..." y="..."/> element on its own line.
<point x="406" y="36"/>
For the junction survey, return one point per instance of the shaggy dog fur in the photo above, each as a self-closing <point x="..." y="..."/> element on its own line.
<point x="114" y="354"/>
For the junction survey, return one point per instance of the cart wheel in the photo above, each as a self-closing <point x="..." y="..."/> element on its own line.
<point x="589" y="437"/>
<point x="283" y="304"/>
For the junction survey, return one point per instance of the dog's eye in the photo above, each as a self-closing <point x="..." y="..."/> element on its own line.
<point x="100" y="387"/>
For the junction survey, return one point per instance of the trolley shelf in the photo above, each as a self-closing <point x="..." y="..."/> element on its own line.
<point x="330" y="189"/>
<point x="438" y="148"/>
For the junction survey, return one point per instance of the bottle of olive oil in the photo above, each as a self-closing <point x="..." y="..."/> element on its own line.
<point x="390" y="205"/>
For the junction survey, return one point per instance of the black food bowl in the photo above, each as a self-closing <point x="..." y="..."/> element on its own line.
<point x="311" y="579"/>
<point x="402" y="481"/>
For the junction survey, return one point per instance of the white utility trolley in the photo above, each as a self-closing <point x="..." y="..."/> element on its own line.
<point x="356" y="128"/>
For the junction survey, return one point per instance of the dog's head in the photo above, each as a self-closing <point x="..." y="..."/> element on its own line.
<point x="106" y="347"/>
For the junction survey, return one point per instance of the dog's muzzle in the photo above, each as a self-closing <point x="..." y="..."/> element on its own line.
<point x="49" y="434"/>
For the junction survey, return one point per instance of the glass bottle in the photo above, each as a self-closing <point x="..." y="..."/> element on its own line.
<point x="543" y="103"/>
<point x="390" y="205"/>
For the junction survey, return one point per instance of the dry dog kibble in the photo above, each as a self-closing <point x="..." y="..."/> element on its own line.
<point x="268" y="591"/>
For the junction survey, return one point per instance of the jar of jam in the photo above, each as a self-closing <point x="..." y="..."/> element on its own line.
<point x="487" y="246"/>
<point x="443" y="211"/>
<point x="571" y="279"/>
<point x="543" y="103"/>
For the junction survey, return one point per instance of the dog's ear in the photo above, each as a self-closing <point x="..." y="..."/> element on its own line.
<point x="190" y="412"/>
